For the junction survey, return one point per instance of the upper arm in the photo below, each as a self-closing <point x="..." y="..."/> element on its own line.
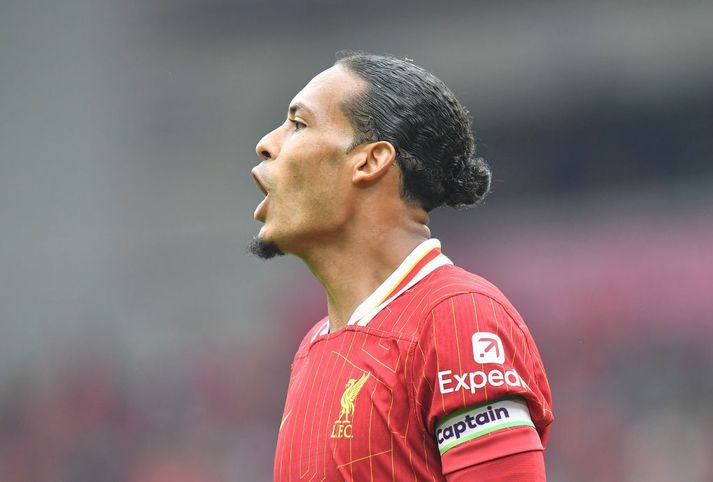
<point x="521" y="467"/>
<point x="479" y="384"/>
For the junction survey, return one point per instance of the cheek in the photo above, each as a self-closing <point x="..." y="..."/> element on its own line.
<point x="331" y="195"/>
<point x="313" y="177"/>
<point x="314" y="181"/>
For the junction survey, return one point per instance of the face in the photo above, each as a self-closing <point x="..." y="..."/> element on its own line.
<point x="306" y="170"/>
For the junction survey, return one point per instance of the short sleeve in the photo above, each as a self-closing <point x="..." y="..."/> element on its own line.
<point x="479" y="385"/>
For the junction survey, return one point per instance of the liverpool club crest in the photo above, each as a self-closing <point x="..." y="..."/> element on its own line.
<point x="343" y="425"/>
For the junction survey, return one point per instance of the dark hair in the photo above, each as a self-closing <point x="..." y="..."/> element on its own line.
<point x="430" y="130"/>
<point x="263" y="249"/>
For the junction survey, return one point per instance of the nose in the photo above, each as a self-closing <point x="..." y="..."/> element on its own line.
<point x="268" y="147"/>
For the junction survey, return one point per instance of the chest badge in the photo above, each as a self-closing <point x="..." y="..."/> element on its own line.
<point x="343" y="426"/>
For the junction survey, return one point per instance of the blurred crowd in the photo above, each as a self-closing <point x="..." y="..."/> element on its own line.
<point x="209" y="418"/>
<point x="139" y="343"/>
<point x="624" y="331"/>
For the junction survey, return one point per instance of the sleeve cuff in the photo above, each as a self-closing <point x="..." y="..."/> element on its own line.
<point x="494" y="445"/>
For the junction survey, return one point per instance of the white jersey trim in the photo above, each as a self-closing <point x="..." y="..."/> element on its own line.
<point x="375" y="302"/>
<point x="436" y="262"/>
<point x="323" y="330"/>
<point x="393" y="280"/>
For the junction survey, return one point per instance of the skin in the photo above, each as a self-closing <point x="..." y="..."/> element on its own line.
<point x="342" y="213"/>
<point x="339" y="210"/>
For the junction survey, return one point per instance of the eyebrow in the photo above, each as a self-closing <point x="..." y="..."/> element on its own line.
<point x="299" y="106"/>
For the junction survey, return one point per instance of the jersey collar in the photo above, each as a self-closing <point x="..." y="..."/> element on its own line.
<point x="423" y="260"/>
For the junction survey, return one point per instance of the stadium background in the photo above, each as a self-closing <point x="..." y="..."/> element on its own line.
<point x="139" y="342"/>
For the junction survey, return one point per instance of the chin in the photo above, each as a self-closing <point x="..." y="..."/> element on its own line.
<point x="264" y="248"/>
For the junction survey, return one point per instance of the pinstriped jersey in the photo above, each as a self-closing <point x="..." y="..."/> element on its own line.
<point x="434" y="372"/>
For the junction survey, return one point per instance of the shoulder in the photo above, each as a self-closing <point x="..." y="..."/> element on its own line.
<point x="449" y="292"/>
<point x="453" y="288"/>
<point x="451" y="280"/>
<point x="473" y="348"/>
<point x="319" y="328"/>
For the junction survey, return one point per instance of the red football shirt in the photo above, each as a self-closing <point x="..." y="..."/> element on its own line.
<point x="434" y="372"/>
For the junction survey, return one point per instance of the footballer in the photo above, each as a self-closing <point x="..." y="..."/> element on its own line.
<point x="420" y="370"/>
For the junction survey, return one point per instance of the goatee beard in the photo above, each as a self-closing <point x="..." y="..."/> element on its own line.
<point x="263" y="249"/>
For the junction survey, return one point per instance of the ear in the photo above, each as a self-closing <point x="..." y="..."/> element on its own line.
<point x="375" y="160"/>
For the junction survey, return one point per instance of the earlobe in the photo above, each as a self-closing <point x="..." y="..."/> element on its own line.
<point x="375" y="161"/>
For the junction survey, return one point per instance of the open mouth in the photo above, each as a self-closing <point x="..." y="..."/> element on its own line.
<point x="261" y="210"/>
<point x="259" y="183"/>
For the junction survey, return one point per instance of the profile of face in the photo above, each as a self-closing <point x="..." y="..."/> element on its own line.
<point x="306" y="168"/>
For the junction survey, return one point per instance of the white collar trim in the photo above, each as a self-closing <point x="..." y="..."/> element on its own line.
<point x="376" y="301"/>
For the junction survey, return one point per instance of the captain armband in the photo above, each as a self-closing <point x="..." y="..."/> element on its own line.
<point x="473" y="422"/>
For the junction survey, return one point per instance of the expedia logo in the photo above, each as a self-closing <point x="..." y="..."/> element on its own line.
<point x="472" y="423"/>
<point x="342" y="427"/>
<point x="471" y="381"/>
<point x="488" y="348"/>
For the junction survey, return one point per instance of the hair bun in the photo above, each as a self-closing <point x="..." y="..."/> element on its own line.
<point x="468" y="182"/>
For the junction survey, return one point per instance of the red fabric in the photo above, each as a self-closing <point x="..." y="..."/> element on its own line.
<point x="447" y="354"/>
<point x="363" y="403"/>
<point x="498" y="444"/>
<point x="430" y="256"/>
<point x="522" y="467"/>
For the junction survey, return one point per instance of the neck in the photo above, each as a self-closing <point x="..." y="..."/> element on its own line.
<point x="352" y="267"/>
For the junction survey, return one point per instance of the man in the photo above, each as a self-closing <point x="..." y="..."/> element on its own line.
<point x="421" y="370"/>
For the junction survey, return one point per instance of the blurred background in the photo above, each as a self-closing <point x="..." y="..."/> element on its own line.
<point x="139" y="341"/>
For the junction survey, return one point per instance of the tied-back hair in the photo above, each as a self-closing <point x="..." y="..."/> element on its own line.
<point x="428" y="127"/>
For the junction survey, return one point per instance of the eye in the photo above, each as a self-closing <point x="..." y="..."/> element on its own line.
<point x="298" y="125"/>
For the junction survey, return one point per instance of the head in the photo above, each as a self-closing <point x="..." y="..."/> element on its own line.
<point x="370" y="122"/>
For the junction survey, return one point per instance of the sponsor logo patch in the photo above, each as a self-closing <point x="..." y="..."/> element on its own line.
<point x="471" y="381"/>
<point x="488" y="348"/>
<point x="471" y="423"/>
